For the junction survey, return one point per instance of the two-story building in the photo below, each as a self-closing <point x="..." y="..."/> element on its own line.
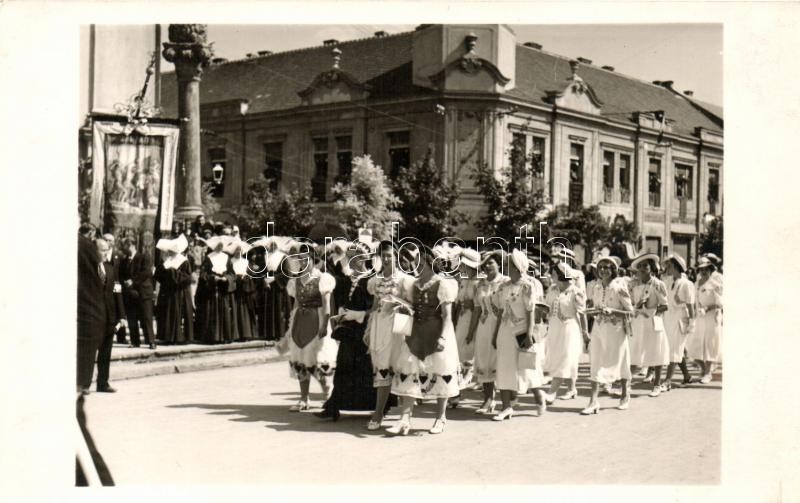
<point x="463" y="94"/>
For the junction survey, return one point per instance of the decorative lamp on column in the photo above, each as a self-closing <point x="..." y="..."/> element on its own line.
<point x="219" y="173"/>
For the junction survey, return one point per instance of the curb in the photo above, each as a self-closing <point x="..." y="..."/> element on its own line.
<point x="177" y="361"/>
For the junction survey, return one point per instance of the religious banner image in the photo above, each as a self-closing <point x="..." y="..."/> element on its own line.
<point x="133" y="187"/>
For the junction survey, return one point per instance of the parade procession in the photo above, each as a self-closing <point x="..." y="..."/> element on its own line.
<point x="444" y="231"/>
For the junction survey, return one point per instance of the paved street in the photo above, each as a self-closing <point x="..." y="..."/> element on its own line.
<point x="233" y="426"/>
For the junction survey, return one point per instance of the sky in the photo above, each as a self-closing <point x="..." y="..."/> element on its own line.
<point x="688" y="54"/>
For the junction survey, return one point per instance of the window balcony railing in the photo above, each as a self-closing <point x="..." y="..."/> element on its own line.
<point x="625" y="196"/>
<point x="608" y="194"/>
<point x="654" y="199"/>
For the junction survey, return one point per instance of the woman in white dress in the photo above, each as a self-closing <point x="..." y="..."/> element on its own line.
<point x="679" y="320"/>
<point x="465" y="307"/>
<point x="483" y="327"/>
<point x="705" y="346"/>
<point x="567" y="333"/>
<point x="312" y="351"/>
<point x="517" y="330"/>
<point x="650" y="302"/>
<point x="609" y="353"/>
<point x="427" y="363"/>
<point x="383" y="345"/>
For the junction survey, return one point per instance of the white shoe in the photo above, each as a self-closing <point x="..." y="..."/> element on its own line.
<point x="301" y="405"/>
<point x="706" y="379"/>
<point x="401" y="427"/>
<point x="487" y="408"/>
<point x="505" y="414"/>
<point x="569" y="395"/>
<point x="438" y="426"/>
<point x="656" y="391"/>
<point x="373" y="425"/>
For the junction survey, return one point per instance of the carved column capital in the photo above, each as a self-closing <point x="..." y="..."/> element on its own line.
<point x="188" y="50"/>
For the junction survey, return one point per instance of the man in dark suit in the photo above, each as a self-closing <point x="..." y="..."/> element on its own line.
<point x="138" y="293"/>
<point x="114" y="304"/>
<point x="96" y="306"/>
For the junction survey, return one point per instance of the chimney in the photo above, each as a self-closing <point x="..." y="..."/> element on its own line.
<point x="609" y="68"/>
<point x="533" y="45"/>
<point x="688" y="93"/>
<point x="667" y="83"/>
<point x="264" y="53"/>
<point x="217" y="61"/>
<point x="585" y="61"/>
<point x="251" y="55"/>
<point x="330" y="41"/>
<point x="656" y="82"/>
<point x="380" y="34"/>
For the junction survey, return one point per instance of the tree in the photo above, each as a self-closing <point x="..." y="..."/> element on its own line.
<point x="711" y="239"/>
<point x="512" y="198"/>
<point x="427" y="201"/>
<point x="209" y="203"/>
<point x="366" y="200"/>
<point x="585" y="226"/>
<point x="292" y="211"/>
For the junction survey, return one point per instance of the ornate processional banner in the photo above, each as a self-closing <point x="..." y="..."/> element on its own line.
<point x="133" y="183"/>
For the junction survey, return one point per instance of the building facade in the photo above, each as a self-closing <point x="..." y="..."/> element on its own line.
<point x="463" y="94"/>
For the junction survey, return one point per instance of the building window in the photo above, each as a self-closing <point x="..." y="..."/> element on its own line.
<point x="273" y="164"/>
<point x="344" y="158"/>
<point x="399" y="153"/>
<point x="625" y="178"/>
<point x="217" y="157"/>
<point x="319" y="183"/>
<point x="537" y="163"/>
<point x="683" y="181"/>
<point x="654" y="183"/>
<point x="517" y="155"/>
<point x="608" y="177"/>
<point x="713" y="190"/>
<point x="653" y="245"/>
<point x="575" y="176"/>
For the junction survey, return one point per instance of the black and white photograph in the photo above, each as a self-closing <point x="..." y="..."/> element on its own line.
<point x="439" y="254"/>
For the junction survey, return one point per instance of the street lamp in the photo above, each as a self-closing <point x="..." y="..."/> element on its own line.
<point x="218" y="172"/>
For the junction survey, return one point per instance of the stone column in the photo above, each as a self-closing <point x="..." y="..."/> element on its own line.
<point x="189" y="51"/>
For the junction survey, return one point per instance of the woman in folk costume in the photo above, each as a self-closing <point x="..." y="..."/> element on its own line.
<point x="388" y="284"/>
<point x="312" y="351"/>
<point x="215" y="314"/>
<point x="567" y="333"/>
<point x="466" y="321"/>
<point x="705" y="346"/>
<point x="679" y="320"/>
<point x="517" y="329"/>
<point x="244" y="297"/>
<point x="482" y="329"/>
<point x="650" y="302"/>
<point x="352" y="382"/>
<point x="175" y="310"/>
<point x="609" y="353"/>
<point x="427" y="363"/>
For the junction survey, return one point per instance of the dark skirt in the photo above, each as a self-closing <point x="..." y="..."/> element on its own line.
<point x="352" y="382"/>
<point x="244" y="304"/>
<point x="215" y="320"/>
<point x="175" y="317"/>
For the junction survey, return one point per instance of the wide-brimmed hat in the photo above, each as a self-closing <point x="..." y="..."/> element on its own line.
<point x="470" y="258"/>
<point x="677" y="260"/>
<point x="615" y="261"/>
<point x="520" y="260"/>
<point x="215" y="241"/>
<point x="646" y="256"/>
<point x="704" y="262"/>
<point x="177" y="245"/>
<point x="236" y="244"/>
<point x="562" y="252"/>
<point x="713" y="258"/>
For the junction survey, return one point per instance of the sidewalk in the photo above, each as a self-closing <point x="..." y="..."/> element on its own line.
<point x="128" y="363"/>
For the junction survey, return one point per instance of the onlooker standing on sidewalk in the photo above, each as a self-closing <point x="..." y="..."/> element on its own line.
<point x="93" y="316"/>
<point x="115" y="258"/>
<point x="136" y="275"/>
<point x="112" y="292"/>
<point x="174" y="275"/>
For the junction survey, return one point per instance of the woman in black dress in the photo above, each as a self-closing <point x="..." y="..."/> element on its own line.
<point x="174" y="310"/>
<point x="352" y="382"/>
<point x="214" y="298"/>
<point x="244" y="297"/>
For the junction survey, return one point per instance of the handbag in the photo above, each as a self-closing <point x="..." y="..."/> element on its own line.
<point x="526" y="359"/>
<point x="401" y="324"/>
